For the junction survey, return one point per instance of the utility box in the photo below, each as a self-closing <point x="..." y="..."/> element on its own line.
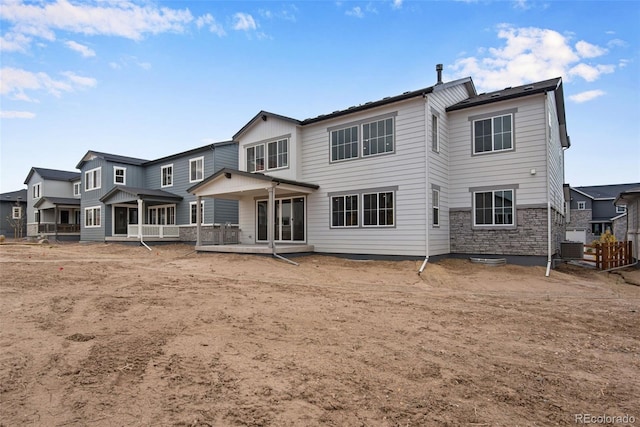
<point x="571" y="250"/>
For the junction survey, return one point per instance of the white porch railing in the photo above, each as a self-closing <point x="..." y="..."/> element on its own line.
<point x="153" y="230"/>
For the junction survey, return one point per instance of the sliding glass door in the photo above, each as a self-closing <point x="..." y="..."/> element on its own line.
<point x="288" y="215"/>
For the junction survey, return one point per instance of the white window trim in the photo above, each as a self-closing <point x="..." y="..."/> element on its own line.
<point x="582" y="205"/>
<point x="93" y="210"/>
<point x="357" y="212"/>
<point x="37" y="190"/>
<point x="435" y="133"/>
<point x="195" y="161"/>
<point x="191" y="204"/>
<point x="512" y="225"/>
<point x="435" y="204"/>
<point x="97" y="176"/>
<point x="492" y="117"/>
<point x="15" y="209"/>
<point x="77" y="186"/>
<point x="158" y="207"/>
<point x="162" y="169"/>
<point x="124" y="175"/>
<point x="621" y="209"/>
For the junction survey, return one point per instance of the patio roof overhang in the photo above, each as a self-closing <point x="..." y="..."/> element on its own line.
<point x="234" y="184"/>
<point x="126" y="194"/>
<point x="52" y="202"/>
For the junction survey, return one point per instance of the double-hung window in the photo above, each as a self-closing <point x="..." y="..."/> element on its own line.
<point x="162" y="215"/>
<point x="93" y="179"/>
<point x="493" y="208"/>
<point x="377" y="209"/>
<point x="92" y="217"/>
<point x="166" y="173"/>
<point x="76" y="189"/>
<point x="493" y="134"/>
<point x="344" y="211"/>
<point x="196" y="169"/>
<point x="119" y="175"/>
<point x="362" y="139"/>
<point x="16" y="212"/>
<point x="37" y="190"/>
<point x="435" y="204"/>
<point x="277" y="156"/>
<point x="582" y="205"/>
<point x="194" y="213"/>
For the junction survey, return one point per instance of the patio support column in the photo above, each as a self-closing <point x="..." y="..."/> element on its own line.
<point x="198" y="220"/>
<point x="140" y="217"/>
<point x="270" y="218"/>
<point x="55" y="221"/>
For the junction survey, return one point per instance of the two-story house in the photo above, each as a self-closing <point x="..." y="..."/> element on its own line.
<point x="429" y="172"/>
<point x="592" y="211"/>
<point x="125" y="198"/>
<point x="53" y="204"/>
<point x="13" y="211"/>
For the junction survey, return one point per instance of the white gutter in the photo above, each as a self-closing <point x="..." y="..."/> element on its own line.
<point x="140" y="220"/>
<point x="548" y="139"/>
<point x="426" y="184"/>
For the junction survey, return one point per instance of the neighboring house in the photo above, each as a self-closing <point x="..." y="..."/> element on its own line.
<point x="13" y="214"/>
<point x="630" y="199"/>
<point x="592" y="211"/>
<point x="53" y="204"/>
<point x="125" y="198"/>
<point x="430" y="172"/>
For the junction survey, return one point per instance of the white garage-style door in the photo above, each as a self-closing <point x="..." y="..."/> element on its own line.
<point x="576" y="236"/>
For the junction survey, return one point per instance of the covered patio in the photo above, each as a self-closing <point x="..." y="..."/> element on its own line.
<point x="58" y="217"/>
<point x="278" y="212"/>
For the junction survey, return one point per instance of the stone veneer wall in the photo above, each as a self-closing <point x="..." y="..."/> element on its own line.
<point x="32" y="230"/>
<point x="529" y="238"/>
<point x="620" y="228"/>
<point x="580" y="221"/>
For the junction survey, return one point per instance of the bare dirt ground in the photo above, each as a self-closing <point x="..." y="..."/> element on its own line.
<point x="112" y="335"/>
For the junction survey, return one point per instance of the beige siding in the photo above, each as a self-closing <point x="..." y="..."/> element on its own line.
<point x="246" y="220"/>
<point x="502" y="168"/>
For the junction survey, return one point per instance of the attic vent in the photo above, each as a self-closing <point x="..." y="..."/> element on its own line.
<point x="528" y="88"/>
<point x="495" y="95"/>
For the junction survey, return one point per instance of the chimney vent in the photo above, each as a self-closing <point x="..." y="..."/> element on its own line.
<point x="439" y="68"/>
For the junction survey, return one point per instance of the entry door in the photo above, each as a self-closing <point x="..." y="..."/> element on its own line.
<point x="120" y="222"/>
<point x="288" y="215"/>
<point x="64" y="217"/>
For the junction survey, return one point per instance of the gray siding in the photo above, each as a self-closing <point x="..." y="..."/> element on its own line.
<point x="92" y="199"/>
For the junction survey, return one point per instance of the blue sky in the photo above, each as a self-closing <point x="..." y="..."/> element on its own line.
<point x="148" y="79"/>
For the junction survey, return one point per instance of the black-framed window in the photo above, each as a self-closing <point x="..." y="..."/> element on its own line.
<point x="344" y="211"/>
<point x="494" y="207"/>
<point x="377" y="209"/>
<point x="493" y="134"/>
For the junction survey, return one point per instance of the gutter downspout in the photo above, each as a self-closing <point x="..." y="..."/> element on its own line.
<point x="426" y="183"/>
<point x="548" y="190"/>
<point x="270" y="224"/>
<point x="140" y="221"/>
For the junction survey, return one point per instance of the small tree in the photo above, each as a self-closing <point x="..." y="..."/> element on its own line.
<point x="605" y="237"/>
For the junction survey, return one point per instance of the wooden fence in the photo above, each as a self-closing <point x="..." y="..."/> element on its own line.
<point x="609" y="255"/>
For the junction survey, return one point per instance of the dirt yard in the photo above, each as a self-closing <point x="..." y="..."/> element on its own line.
<point x="111" y="335"/>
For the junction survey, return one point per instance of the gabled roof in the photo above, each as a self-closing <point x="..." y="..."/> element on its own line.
<point x="53" y="175"/>
<point x="110" y="158"/>
<point x="552" y="85"/>
<point x="605" y="192"/>
<point x="14" y="196"/>
<point x="142" y="193"/>
<point x="628" y="195"/>
<point x="57" y="201"/>
<point x="265" y="115"/>
<point x="254" y="175"/>
<point x="188" y="152"/>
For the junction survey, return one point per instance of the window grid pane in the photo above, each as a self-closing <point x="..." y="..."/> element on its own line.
<point x="344" y="143"/>
<point x="377" y="137"/>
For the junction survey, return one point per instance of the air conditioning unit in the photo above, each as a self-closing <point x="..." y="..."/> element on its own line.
<point x="571" y="250"/>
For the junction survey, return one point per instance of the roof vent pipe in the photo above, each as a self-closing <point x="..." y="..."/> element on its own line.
<point x="439" y="68"/>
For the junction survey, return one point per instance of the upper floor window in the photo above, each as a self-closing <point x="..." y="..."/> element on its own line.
<point x="435" y="141"/>
<point x="76" y="189"/>
<point x="196" y="169"/>
<point x="493" y="134"/>
<point x="119" y="175"/>
<point x="166" y="173"/>
<point x="582" y="205"/>
<point x="621" y="208"/>
<point x="435" y="204"/>
<point x="16" y="212"/>
<point x="344" y="211"/>
<point x="37" y="190"/>
<point x="93" y="179"/>
<point x="493" y="208"/>
<point x="363" y="139"/>
<point x="277" y="156"/>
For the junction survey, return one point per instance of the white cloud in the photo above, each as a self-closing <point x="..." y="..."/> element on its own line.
<point x="85" y="51"/>
<point x="12" y="42"/>
<point x="356" y="11"/>
<point x="111" y="18"/>
<point x="588" y="50"/>
<point x="15" y="82"/>
<point x="17" y="115"/>
<point x="521" y="4"/>
<point x="287" y="13"/>
<point x="528" y="55"/>
<point x="397" y="4"/>
<point x="616" y="43"/>
<point x="244" y="22"/>
<point x="623" y="63"/>
<point x="586" y="96"/>
<point x="210" y="22"/>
